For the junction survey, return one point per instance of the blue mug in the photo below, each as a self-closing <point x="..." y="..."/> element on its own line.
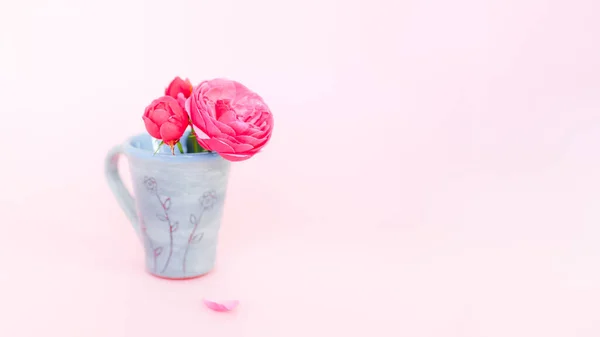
<point x="177" y="208"/>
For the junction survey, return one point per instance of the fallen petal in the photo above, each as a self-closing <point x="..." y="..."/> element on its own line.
<point x="221" y="306"/>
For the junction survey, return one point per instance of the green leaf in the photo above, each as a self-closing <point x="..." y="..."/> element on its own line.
<point x="158" y="148"/>
<point x="180" y="147"/>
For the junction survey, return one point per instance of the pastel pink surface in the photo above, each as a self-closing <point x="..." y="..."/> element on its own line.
<point x="434" y="172"/>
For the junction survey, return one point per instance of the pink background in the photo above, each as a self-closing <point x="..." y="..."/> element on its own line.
<point x="434" y="171"/>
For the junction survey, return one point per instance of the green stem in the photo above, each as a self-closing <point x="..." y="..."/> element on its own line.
<point x="158" y="149"/>
<point x="192" y="143"/>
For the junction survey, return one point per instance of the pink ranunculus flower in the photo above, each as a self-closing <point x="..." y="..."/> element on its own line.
<point x="229" y="119"/>
<point x="165" y="119"/>
<point x="179" y="89"/>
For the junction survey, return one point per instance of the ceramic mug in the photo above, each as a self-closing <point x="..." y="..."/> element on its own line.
<point x="177" y="207"/>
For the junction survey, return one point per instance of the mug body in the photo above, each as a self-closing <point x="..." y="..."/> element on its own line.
<point x="179" y="203"/>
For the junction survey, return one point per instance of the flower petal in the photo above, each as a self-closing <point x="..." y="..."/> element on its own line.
<point x="249" y="140"/>
<point x="214" y="127"/>
<point x="171" y="131"/>
<point x="265" y="117"/>
<point x="201" y="137"/>
<point x="221" y="306"/>
<point x="181" y="99"/>
<point x="191" y="105"/>
<point x="257" y="146"/>
<point x="228" y="117"/>
<point x="236" y="157"/>
<point x="238" y="147"/>
<point x="159" y="115"/>
<point x="151" y="127"/>
<point x="177" y="86"/>
<point x="219" y="146"/>
<point x="225" y="128"/>
<point x="241" y="91"/>
<point x="186" y="106"/>
<point x="199" y="133"/>
<point x="261" y="133"/>
<point x="202" y="143"/>
<point x="179" y="112"/>
<point x="239" y="127"/>
<point x="219" y="88"/>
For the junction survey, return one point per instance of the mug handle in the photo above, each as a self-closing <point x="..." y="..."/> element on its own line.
<point x="124" y="198"/>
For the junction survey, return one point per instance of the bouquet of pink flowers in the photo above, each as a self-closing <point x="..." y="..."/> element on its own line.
<point x="224" y="116"/>
<point x="178" y="200"/>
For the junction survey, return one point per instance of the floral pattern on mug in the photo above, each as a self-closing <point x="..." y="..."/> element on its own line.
<point x="150" y="184"/>
<point x="208" y="199"/>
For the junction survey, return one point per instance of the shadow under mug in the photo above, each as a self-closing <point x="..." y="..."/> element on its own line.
<point x="177" y="207"/>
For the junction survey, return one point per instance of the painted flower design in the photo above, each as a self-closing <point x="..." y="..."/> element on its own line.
<point x="150" y="184"/>
<point x="208" y="199"/>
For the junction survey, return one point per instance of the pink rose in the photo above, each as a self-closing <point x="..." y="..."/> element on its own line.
<point x="179" y="89"/>
<point x="165" y="119"/>
<point x="229" y="119"/>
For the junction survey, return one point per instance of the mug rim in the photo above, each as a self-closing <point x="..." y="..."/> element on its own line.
<point x="131" y="150"/>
